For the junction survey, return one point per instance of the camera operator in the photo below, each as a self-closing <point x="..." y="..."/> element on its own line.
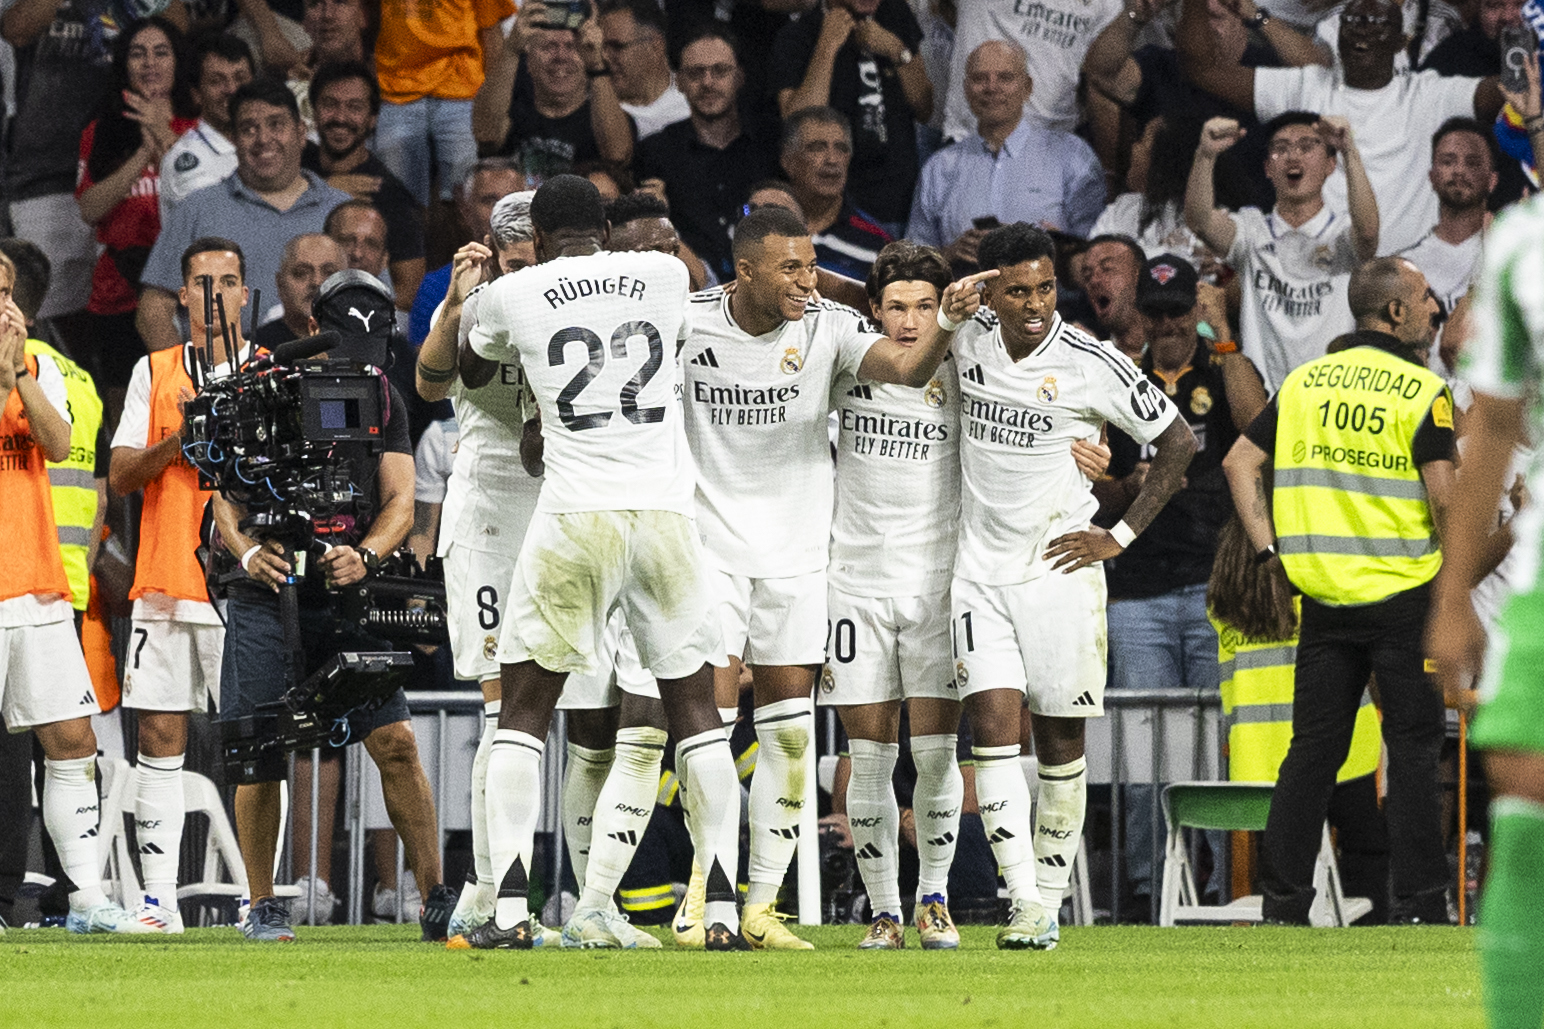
<point x="175" y="647"/>
<point x="359" y="308"/>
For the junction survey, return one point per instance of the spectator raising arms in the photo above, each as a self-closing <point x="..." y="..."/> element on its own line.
<point x="120" y="165"/>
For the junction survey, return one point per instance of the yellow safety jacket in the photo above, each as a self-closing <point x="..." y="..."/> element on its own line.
<point x="73" y="480"/>
<point x="1352" y="521"/>
<point x="1257" y="683"/>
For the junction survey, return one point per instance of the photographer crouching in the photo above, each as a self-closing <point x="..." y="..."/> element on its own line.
<point x="325" y="546"/>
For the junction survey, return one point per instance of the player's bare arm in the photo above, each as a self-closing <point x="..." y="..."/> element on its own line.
<point x="889" y="361"/>
<point x="1244" y="466"/>
<point x="49" y="430"/>
<point x="437" y="359"/>
<point x="1173" y="449"/>
<point x="1455" y="638"/>
<point x="134" y="467"/>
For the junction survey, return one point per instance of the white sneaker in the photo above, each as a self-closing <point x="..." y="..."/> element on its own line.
<point x="605" y="929"/>
<point x="160" y="918"/>
<point x="384" y="904"/>
<point x="326" y="902"/>
<point x="473" y="908"/>
<point x="106" y="917"/>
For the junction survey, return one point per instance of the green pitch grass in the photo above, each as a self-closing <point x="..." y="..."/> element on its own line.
<point x="379" y="976"/>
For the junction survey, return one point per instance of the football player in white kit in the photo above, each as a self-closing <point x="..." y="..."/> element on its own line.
<point x="760" y="366"/>
<point x="596" y="334"/>
<point x="1028" y="595"/>
<point x="893" y="539"/>
<point x="489" y="503"/>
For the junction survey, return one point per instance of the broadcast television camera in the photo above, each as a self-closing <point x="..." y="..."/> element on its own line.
<point x="266" y="437"/>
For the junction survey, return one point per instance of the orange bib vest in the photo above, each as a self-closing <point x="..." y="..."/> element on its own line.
<point x="174" y="505"/>
<point x="27" y="515"/>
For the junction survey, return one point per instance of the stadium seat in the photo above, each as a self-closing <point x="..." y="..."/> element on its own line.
<point x="225" y="875"/>
<point x="1236" y="807"/>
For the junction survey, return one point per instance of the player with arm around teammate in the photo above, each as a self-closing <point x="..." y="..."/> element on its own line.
<point x="759" y="369"/>
<point x="1028" y="595"/>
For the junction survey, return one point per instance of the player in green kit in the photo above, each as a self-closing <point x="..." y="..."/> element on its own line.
<point x="1504" y="363"/>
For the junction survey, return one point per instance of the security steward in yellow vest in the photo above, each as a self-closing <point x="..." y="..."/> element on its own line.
<point x="1363" y="446"/>
<point x="78" y="483"/>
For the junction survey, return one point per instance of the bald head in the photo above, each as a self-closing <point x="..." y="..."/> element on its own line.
<point x="1389" y="294"/>
<point x="308" y="261"/>
<point x="997" y="85"/>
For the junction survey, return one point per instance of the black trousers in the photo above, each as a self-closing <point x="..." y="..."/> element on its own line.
<point x="1338" y="649"/>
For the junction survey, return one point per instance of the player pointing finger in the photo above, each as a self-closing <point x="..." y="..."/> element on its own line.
<point x="962" y="299"/>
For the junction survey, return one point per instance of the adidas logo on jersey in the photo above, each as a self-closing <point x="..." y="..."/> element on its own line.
<point x="1000" y="836"/>
<point x="975" y="374"/>
<point x="862" y="392"/>
<point x="1084" y="700"/>
<point x="871" y="852"/>
<point x="88" y="701"/>
<point x="705" y="359"/>
<point x="627" y="836"/>
<point x="941" y="841"/>
<point x="1054" y="860"/>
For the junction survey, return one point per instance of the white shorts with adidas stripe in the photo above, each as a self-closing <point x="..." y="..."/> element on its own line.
<point x="886" y="648"/>
<point x="1045" y="638"/>
<point x="43" y="676"/>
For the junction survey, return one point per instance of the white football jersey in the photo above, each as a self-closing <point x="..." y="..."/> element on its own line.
<point x="597" y="336"/>
<point x="489" y="499"/>
<point x="1020" y="486"/>
<point x="897" y="486"/>
<point x="756" y="413"/>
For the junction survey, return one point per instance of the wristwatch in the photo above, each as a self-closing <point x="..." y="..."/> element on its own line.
<point x="1261" y="18"/>
<point x="371" y="559"/>
<point x="1265" y="554"/>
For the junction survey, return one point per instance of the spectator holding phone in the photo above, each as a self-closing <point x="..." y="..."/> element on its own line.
<point x="1013" y="169"/>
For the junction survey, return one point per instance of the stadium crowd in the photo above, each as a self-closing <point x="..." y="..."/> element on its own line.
<point x="1222" y="192"/>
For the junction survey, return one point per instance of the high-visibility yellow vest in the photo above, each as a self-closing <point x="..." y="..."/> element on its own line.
<point x="1353" y="525"/>
<point x="73" y="480"/>
<point x="1257" y="683"/>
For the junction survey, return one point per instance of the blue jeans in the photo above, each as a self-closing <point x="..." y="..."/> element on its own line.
<point x="1156" y="642"/>
<point x="406" y="132"/>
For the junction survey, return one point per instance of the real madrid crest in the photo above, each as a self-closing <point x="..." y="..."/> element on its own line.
<point x="1323" y="257"/>
<point x="961" y="676"/>
<point x="934" y="394"/>
<point x="1047" y="391"/>
<point x="490" y="647"/>
<point x="792" y="361"/>
<point x="1200" y="400"/>
<point x="827" y="680"/>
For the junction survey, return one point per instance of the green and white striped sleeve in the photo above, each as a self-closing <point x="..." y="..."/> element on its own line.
<point x="1501" y="358"/>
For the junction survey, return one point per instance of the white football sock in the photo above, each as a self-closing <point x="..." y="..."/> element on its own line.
<point x="936" y="802"/>
<point x="584" y="775"/>
<point x="713" y="817"/>
<point x="622" y="813"/>
<point x="480" y="879"/>
<point x="783" y="731"/>
<point x="728" y="716"/>
<point x="875" y="819"/>
<point x="514" y="806"/>
<point x="1004" y="798"/>
<point x="70" y="815"/>
<point x="158" y="818"/>
<point x="1059" y="827"/>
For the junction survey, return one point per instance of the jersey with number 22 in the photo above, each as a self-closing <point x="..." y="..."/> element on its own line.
<point x="597" y="336"/>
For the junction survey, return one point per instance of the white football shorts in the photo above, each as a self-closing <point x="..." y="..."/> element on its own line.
<point x="476" y="592"/>
<point x="887" y="648"/>
<point x="1045" y="638"/>
<point x="773" y="621"/>
<point x="617" y="670"/>
<point x="43" y="675"/>
<point x="576" y="568"/>
<point x="173" y="666"/>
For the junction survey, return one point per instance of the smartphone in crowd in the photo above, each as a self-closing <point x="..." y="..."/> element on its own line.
<point x="1517" y="42"/>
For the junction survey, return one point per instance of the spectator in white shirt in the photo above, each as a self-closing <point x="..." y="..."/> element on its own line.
<point x="1012" y="169"/>
<point x="633" y="42"/>
<point x="1294" y="263"/>
<point x="1463" y="174"/>
<point x="1386" y="110"/>
<point x="205" y="154"/>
